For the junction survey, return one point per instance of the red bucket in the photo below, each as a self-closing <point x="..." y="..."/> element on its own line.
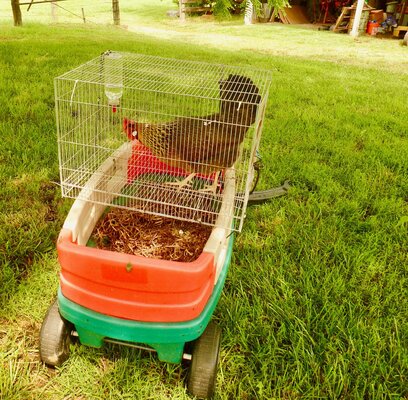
<point x="372" y="28"/>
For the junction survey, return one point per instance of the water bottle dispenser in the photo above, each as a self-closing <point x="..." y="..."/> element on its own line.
<point x="113" y="75"/>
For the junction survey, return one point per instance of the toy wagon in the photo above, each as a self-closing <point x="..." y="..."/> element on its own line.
<point x="164" y="137"/>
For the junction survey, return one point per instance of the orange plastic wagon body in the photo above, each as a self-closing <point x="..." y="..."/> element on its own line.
<point x="134" y="287"/>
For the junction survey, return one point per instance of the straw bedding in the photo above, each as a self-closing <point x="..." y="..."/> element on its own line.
<point x="150" y="236"/>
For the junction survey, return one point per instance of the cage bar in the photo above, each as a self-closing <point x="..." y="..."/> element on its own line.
<point x="160" y="135"/>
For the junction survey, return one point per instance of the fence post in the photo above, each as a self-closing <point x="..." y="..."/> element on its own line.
<point x="54" y="12"/>
<point x="15" y="5"/>
<point x="116" y="12"/>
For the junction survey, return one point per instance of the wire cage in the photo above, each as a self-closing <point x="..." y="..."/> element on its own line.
<point x="161" y="136"/>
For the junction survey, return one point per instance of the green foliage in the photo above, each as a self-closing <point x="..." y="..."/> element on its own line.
<point x="222" y="8"/>
<point x="276" y="5"/>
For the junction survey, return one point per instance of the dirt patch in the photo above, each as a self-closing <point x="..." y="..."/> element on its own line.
<point x="150" y="236"/>
<point x="47" y="196"/>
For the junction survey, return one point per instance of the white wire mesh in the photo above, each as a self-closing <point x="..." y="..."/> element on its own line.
<point x="132" y="127"/>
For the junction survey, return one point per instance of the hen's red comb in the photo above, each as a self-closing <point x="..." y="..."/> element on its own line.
<point x="128" y="127"/>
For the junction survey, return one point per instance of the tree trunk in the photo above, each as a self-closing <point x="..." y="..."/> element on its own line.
<point x="116" y="12"/>
<point x="250" y="14"/>
<point x="15" y="5"/>
<point x="359" y="9"/>
<point x="182" y="13"/>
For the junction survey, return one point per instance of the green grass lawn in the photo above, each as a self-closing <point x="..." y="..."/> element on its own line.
<point x="315" y="301"/>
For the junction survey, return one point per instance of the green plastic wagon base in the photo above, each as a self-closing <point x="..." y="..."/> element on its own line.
<point x="168" y="339"/>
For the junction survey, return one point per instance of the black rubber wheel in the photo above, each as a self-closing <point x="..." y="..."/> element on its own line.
<point x="55" y="337"/>
<point x="204" y="363"/>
